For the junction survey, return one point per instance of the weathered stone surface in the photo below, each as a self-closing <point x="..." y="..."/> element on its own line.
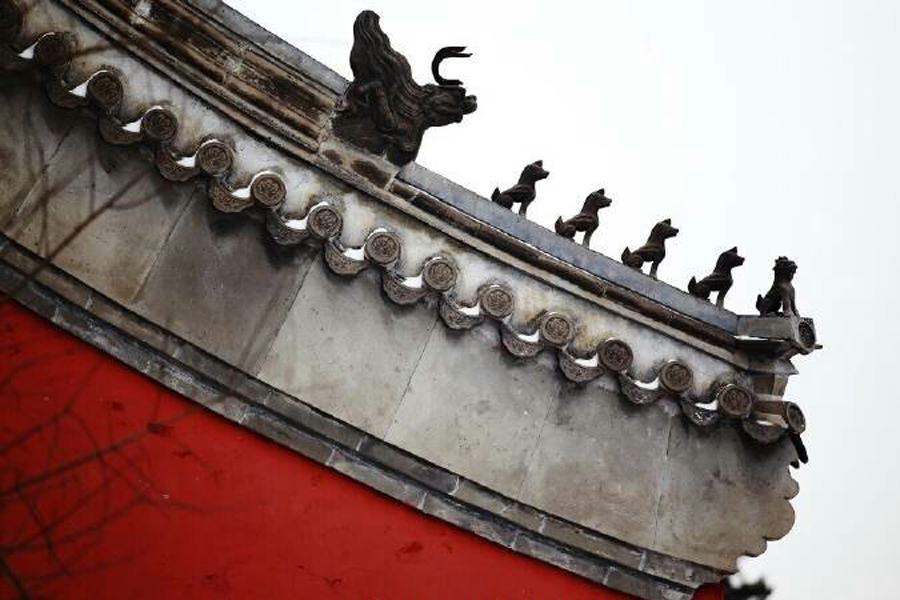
<point x="601" y="546"/>
<point x="272" y="43"/>
<point x="537" y="547"/>
<point x="599" y="463"/>
<point x="351" y="466"/>
<point x="129" y="211"/>
<point x="642" y="587"/>
<point x="310" y="418"/>
<point x="483" y="498"/>
<point x="223" y="285"/>
<point x="30" y="134"/>
<point x="455" y="513"/>
<point x="281" y="432"/>
<point x="346" y="351"/>
<point x="25" y="262"/>
<point x="27" y="292"/>
<point x="408" y="465"/>
<point x="743" y="487"/>
<point x="172" y="375"/>
<point x="474" y="410"/>
<point x="151" y="334"/>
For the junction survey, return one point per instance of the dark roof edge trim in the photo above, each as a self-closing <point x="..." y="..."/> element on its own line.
<point x="547" y="241"/>
<point x="248" y="29"/>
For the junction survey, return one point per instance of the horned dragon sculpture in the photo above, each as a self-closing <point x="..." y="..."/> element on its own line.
<point x="384" y="110"/>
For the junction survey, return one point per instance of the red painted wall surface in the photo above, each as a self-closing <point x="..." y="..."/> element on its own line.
<point x="112" y="487"/>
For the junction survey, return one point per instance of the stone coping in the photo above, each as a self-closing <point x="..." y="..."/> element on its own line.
<point x="188" y="370"/>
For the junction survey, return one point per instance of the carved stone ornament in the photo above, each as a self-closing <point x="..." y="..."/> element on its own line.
<point x="225" y="199"/>
<point x="106" y="89"/>
<point x="699" y="416"/>
<point x="676" y="377"/>
<point x="520" y="345"/>
<point x="439" y="274"/>
<point x="116" y="133"/>
<point x="383" y="247"/>
<point x="763" y="432"/>
<point x="795" y="418"/>
<point x="734" y="400"/>
<point x="324" y="221"/>
<point x="159" y="124"/>
<point x="788" y="412"/>
<point x="523" y="193"/>
<point x="579" y="369"/>
<point x="60" y="96"/>
<point x="54" y="49"/>
<point x="587" y="220"/>
<point x="459" y="317"/>
<point x="211" y="158"/>
<point x="497" y="301"/>
<point x="268" y="189"/>
<point x="780" y="299"/>
<point x="394" y="286"/>
<point x="338" y="260"/>
<point x="807" y="333"/>
<point x="169" y="167"/>
<point x="286" y="229"/>
<point x="654" y="251"/>
<point x="720" y="280"/>
<point x="214" y="158"/>
<point x="637" y="393"/>
<point x="557" y="329"/>
<point x="616" y="355"/>
<point x="384" y="110"/>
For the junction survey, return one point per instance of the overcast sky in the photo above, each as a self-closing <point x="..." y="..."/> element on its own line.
<point x="770" y="125"/>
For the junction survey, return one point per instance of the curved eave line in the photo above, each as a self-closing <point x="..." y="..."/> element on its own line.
<point x="201" y="63"/>
<point x="288" y="421"/>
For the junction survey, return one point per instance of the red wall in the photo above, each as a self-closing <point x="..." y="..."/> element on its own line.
<point x="112" y="487"/>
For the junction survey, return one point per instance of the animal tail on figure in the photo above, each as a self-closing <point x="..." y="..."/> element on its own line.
<point x="500" y="199"/>
<point x="694" y="288"/>
<point x="632" y="259"/>
<point x="565" y="229"/>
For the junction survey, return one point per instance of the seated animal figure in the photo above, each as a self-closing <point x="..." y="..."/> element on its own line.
<point x="523" y="193"/>
<point x="654" y="251"/>
<point x="720" y="280"/>
<point x="781" y="294"/>
<point x="384" y="110"/>
<point x="587" y="220"/>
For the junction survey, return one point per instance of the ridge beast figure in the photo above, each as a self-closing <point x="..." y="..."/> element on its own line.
<point x="781" y="294"/>
<point x="720" y="280"/>
<point x="523" y="193"/>
<point x="586" y="220"/>
<point x="384" y="109"/>
<point x="654" y="251"/>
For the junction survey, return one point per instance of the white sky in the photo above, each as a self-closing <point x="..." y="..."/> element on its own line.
<point x="773" y="125"/>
